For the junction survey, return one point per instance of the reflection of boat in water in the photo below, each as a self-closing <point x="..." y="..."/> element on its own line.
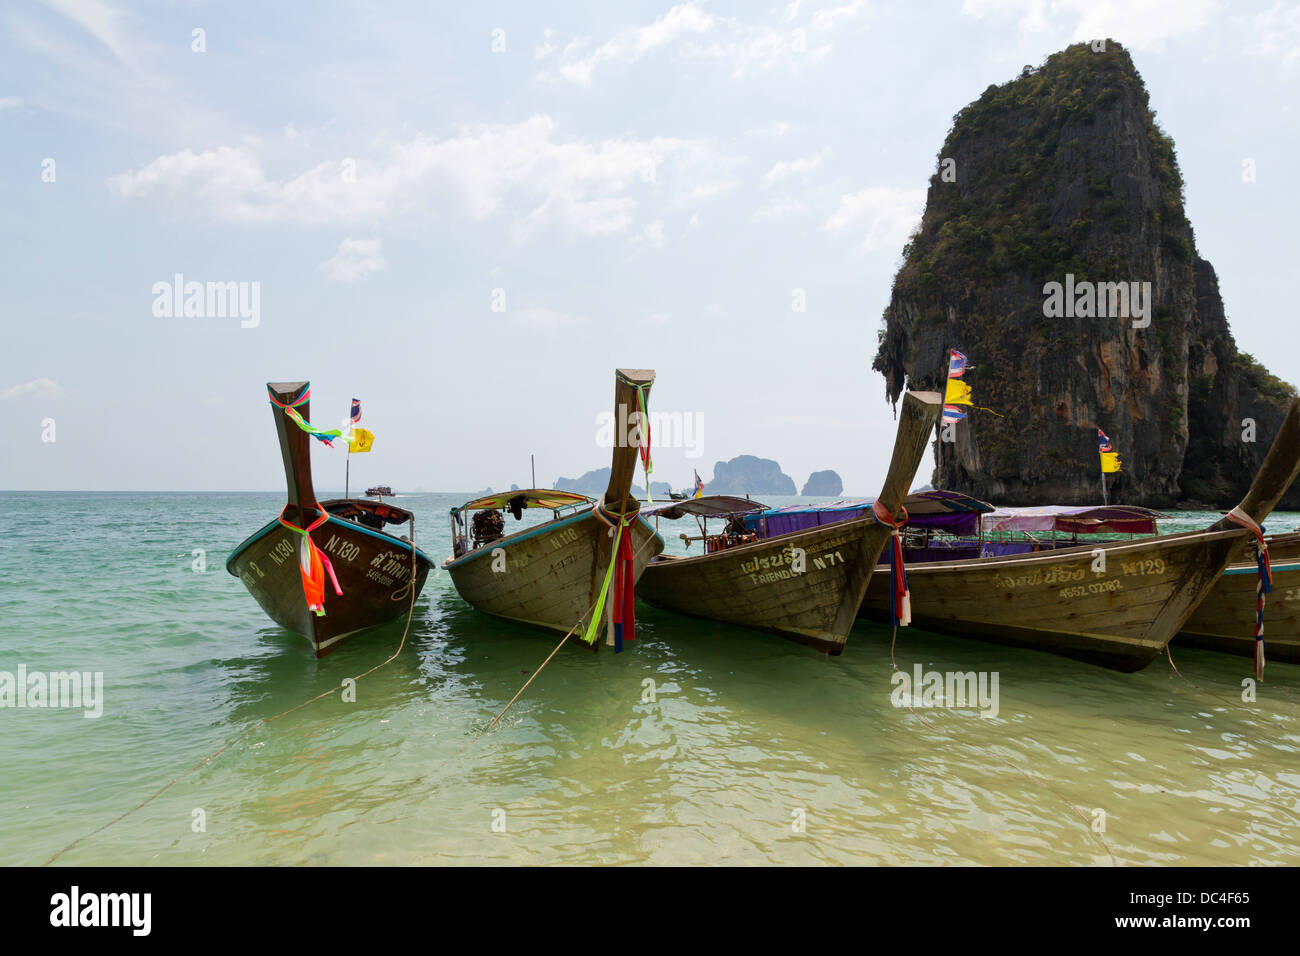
<point x="326" y="570"/>
<point x="379" y="491"/>
<point x="551" y="575"/>
<point x="805" y="585"/>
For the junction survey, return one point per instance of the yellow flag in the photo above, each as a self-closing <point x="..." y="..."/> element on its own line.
<point x="1109" y="461"/>
<point x="360" y="441"/>
<point x="957" y="393"/>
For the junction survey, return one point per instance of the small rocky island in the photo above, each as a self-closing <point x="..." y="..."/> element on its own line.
<point x="746" y="474"/>
<point x="594" y="483"/>
<point x="823" y="483"/>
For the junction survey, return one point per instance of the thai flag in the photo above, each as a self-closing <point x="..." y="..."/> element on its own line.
<point x="956" y="364"/>
<point x="699" y="485"/>
<point x="356" y="410"/>
<point x="1103" y="442"/>
<point x="953" y="413"/>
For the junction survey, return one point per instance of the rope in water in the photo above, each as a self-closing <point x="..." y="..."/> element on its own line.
<point x="410" y="613"/>
<point x="571" y="630"/>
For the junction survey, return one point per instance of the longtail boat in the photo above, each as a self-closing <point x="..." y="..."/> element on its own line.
<point x="1113" y="603"/>
<point x="326" y="569"/>
<point x="807" y="585"/>
<point x="558" y="575"/>
<point x="1224" y="621"/>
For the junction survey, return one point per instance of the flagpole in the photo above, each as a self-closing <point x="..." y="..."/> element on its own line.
<point x="347" y="475"/>
<point x="1105" y="498"/>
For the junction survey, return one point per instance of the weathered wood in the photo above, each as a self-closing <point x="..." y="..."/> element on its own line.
<point x="755" y="584"/>
<point x="550" y="575"/>
<point x="1120" y="614"/>
<point x="1225" y="620"/>
<point x="373" y="567"/>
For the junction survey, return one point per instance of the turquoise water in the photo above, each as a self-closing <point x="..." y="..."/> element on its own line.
<point x="746" y="736"/>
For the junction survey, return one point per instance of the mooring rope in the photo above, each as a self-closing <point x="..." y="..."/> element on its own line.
<point x="570" y="633"/>
<point x="410" y="613"/>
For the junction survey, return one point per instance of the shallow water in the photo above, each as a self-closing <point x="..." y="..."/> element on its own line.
<point x="746" y="736"/>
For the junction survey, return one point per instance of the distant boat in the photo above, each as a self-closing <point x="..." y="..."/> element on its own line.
<point x="549" y="575"/>
<point x="379" y="491"/>
<point x="677" y="495"/>
<point x="375" y="570"/>
<point x="805" y="585"/>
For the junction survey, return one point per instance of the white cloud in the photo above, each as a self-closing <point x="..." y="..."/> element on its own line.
<point x="101" y="21"/>
<point x="36" y="388"/>
<point x="707" y="191"/>
<point x="794" y="167"/>
<point x="888" y="215"/>
<point x="10" y="102"/>
<point x="1138" y="24"/>
<point x="547" y="319"/>
<point x="1278" y="33"/>
<point x="654" y="233"/>
<point x="682" y="20"/>
<point x="657" y="318"/>
<point x="578" y="187"/>
<point x="355" y="259"/>
<point x="779" y="208"/>
<point x="747" y="46"/>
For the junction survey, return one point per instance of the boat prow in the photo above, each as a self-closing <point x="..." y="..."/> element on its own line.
<point x="551" y="575"/>
<point x="806" y="585"/>
<point x="379" y="574"/>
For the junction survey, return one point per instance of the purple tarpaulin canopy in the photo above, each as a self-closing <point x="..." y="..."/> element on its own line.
<point x="1112" y="519"/>
<point x="947" y="511"/>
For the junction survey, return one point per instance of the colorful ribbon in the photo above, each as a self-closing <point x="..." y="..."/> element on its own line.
<point x="313" y="563"/>
<point x="900" y="598"/>
<point x="292" y="413"/>
<point x="1263" y="585"/>
<point x="621" y="573"/>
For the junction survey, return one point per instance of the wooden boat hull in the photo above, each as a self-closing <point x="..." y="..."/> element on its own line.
<point x="548" y="576"/>
<point x="1120" y="617"/>
<point x="373" y="571"/>
<point x="754" y="585"/>
<point x="1225" y="620"/>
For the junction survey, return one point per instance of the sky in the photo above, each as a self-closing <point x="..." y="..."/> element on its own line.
<point x="468" y="215"/>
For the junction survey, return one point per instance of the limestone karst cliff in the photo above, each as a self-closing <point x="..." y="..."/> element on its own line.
<point x="1063" y="172"/>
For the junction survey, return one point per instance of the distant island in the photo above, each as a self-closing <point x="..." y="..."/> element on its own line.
<point x="746" y="474"/>
<point x="594" y="483"/>
<point x="823" y="483"/>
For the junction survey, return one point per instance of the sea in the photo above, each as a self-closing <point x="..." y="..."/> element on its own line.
<point x="700" y="743"/>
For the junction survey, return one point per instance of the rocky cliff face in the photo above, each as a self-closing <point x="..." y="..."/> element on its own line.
<point x="1062" y="175"/>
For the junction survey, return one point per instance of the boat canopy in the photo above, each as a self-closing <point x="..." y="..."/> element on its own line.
<point x="708" y="506"/>
<point x="532" y="498"/>
<point x="1112" y="519"/>
<point x="948" y="511"/>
